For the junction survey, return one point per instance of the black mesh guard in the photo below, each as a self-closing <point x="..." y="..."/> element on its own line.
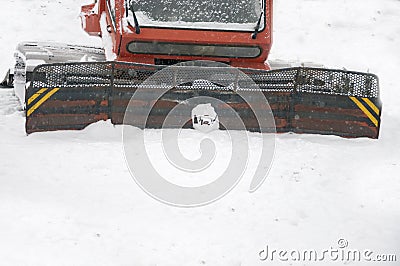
<point x="298" y="79"/>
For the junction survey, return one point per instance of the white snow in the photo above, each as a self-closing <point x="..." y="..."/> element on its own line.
<point x="67" y="198"/>
<point x="24" y="20"/>
<point x="107" y="39"/>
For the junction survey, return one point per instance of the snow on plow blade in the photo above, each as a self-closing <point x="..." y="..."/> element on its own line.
<point x="303" y="100"/>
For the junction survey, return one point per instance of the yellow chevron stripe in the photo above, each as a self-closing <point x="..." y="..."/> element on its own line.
<point x="365" y="110"/>
<point x="37" y="94"/>
<point x="372" y="105"/>
<point x="41" y="101"/>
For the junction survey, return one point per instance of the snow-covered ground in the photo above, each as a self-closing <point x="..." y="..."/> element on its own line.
<point x="67" y="198"/>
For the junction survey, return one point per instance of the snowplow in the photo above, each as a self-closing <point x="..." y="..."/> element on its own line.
<point x="67" y="87"/>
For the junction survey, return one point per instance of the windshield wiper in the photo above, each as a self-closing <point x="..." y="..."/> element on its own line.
<point x="137" y="27"/>
<point x="255" y="33"/>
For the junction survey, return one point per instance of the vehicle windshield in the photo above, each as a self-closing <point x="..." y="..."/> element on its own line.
<point x="208" y="14"/>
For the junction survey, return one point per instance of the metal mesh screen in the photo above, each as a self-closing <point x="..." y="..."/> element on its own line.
<point x="337" y="82"/>
<point x="74" y="74"/>
<point x="300" y="79"/>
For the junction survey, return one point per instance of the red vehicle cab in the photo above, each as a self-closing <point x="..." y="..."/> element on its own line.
<point x="159" y="32"/>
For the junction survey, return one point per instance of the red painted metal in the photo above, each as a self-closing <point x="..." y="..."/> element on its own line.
<point x="90" y="20"/>
<point x="122" y="37"/>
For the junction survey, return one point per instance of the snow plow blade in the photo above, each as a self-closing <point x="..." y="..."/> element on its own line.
<point x="70" y="96"/>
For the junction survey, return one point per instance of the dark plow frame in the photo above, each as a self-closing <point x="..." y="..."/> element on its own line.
<point x="70" y="96"/>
